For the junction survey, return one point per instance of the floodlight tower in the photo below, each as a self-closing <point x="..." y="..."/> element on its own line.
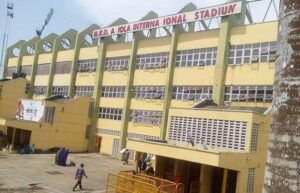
<point x="9" y="17"/>
<point x="47" y="20"/>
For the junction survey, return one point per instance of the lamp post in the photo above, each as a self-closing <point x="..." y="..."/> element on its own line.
<point x="9" y="17"/>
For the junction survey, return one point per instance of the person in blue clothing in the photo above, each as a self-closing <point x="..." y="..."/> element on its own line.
<point x="78" y="176"/>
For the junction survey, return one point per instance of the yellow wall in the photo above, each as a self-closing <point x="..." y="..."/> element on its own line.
<point x="149" y="104"/>
<point x="66" y="55"/>
<point x="88" y="53"/>
<point x="10" y="93"/>
<point x="61" y="79"/>
<point x="154" y="45"/>
<point x="68" y="129"/>
<point x="206" y="39"/>
<point x="12" y="62"/>
<point x="115" y="78"/>
<point x="247" y="34"/>
<point x="194" y="76"/>
<point x="107" y="143"/>
<point x="41" y="80"/>
<point x="84" y="79"/>
<point x="112" y="102"/>
<point x="144" y="129"/>
<point x="250" y="74"/>
<point x="157" y="77"/>
<point x="109" y="124"/>
<point x="118" y="49"/>
<point x="27" y="60"/>
<point x="44" y="58"/>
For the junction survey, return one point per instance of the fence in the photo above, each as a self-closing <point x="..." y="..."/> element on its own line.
<point x="132" y="182"/>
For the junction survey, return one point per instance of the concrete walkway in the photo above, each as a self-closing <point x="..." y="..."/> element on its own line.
<point x="38" y="174"/>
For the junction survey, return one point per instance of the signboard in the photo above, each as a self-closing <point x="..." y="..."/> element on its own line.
<point x="192" y="16"/>
<point x="30" y="110"/>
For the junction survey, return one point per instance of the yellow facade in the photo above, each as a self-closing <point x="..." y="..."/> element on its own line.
<point x="186" y="78"/>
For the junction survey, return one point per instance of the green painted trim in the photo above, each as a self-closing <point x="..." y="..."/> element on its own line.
<point x="97" y="91"/>
<point x="222" y="54"/>
<point x="221" y="62"/>
<point x="128" y="93"/>
<point x="169" y="81"/>
<point x="74" y="67"/>
<point x="34" y="68"/>
<point x="52" y="66"/>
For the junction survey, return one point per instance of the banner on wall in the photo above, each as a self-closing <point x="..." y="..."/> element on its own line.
<point x="30" y="110"/>
<point x="186" y="17"/>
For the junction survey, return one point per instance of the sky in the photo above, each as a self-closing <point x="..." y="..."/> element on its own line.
<point x="79" y="14"/>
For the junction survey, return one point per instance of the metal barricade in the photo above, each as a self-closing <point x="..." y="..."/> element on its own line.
<point x="129" y="181"/>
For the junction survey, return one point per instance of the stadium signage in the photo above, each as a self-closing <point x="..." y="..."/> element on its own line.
<point x="192" y="16"/>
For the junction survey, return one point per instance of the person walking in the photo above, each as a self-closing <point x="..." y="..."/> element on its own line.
<point x="78" y="176"/>
<point x="126" y="157"/>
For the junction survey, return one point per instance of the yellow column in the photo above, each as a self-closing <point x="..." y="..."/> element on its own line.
<point x="224" y="182"/>
<point x="205" y="178"/>
<point x="14" y="136"/>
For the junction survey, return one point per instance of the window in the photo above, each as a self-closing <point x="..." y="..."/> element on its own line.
<point x="27" y="87"/>
<point x="84" y="90"/>
<point x="108" y="132"/>
<point x="254" y="137"/>
<point x="63" y="67"/>
<point x="141" y="136"/>
<point x="43" y="69"/>
<point x="196" y="57"/>
<point x="148" y="92"/>
<point x="252" y="53"/>
<point x="11" y="70"/>
<point x="60" y="90"/>
<point x="196" y="93"/>
<point x="87" y="65"/>
<point x="151" y="61"/>
<point x="40" y="90"/>
<point x="250" y="182"/>
<point x="145" y="117"/>
<point x="91" y="109"/>
<point x="110" y="113"/>
<point x="113" y="91"/>
<point x="116" y="63"/>
<point x="26" y="70"/>
<point x="209" y="132"/>
<point x="49" y="115"/>
<point x="248" y="93"/>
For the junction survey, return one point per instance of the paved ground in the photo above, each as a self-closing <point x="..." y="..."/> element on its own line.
<point x="38" y="174"/>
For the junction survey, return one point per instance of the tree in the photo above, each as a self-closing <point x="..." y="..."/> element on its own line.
<point x="282" y="171"/>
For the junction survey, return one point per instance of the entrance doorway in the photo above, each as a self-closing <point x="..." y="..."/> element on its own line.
<point x="97" y="144"/>
<point x="22" y="138"/>
<point x="18" y="137"/>
<point x="217" y="180"/>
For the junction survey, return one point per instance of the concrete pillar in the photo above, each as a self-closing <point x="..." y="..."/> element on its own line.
<point x="52" y="66"/>
<point x="224" y="181"/>
<point x="205" y="178"/>
<point x="34" y="68"/>
<point x="222" y="54"/>
<point x="169" y="81"/>
<point x="97" y="91"/>
<point x="128" y="93"/>
<point x="74" y="66"/>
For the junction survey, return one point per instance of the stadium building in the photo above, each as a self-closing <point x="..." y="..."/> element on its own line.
<point x="197" y="97"/>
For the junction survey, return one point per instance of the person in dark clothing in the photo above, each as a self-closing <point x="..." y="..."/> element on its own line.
<point x="126" y="157"/>
<point x="78" y="176"/>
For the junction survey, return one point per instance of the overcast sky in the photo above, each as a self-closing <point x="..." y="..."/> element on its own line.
<point x="79" y="14"/>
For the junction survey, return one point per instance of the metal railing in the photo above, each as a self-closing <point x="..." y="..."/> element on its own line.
<point x="136" y="182"/>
